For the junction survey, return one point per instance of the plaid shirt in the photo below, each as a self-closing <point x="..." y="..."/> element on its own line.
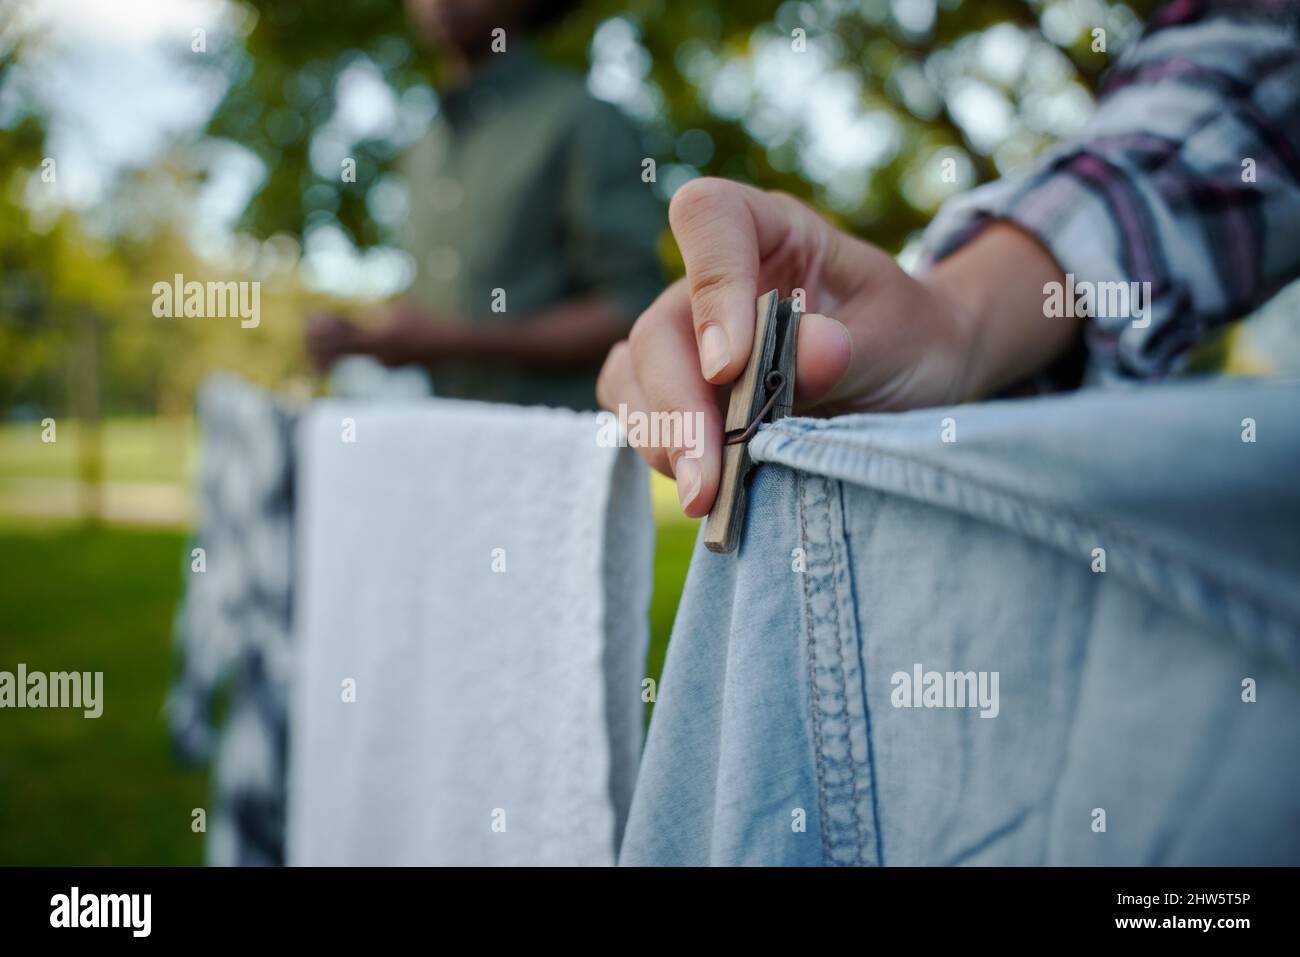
<point x="1158" y="188"/>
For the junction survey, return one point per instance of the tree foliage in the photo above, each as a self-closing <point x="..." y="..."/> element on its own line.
<point x="293" y="57"/>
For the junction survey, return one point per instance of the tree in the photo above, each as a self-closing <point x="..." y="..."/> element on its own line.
<point x="911" y="58"/>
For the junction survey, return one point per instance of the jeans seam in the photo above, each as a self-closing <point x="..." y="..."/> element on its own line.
<point x="833" y="708"/>
<point x="813" y="692"/>
<point x="838" y="568"/>
<point x="1161" y="568"/>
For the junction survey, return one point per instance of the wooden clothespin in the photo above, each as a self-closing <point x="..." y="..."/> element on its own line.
<point x="763" y="393"/>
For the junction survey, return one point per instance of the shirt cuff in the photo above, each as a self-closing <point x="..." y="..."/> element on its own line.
<point x="1073" y="223"/>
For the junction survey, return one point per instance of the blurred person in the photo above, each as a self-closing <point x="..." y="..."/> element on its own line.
<point x="533" y="233"/>
<point x="1186" y="182"/>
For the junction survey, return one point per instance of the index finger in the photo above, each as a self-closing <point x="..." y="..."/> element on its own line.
<point x="724" y="230"/>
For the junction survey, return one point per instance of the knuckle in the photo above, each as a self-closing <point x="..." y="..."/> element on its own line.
<point x="709" y="281"/>
<point x="642" y="334"/>
<point x="709" y="296"/>
<point x="696" y="199"/>
<point x="785" y="198"/>
<point x="636" y="340"/>
<point x="612" y="374"/>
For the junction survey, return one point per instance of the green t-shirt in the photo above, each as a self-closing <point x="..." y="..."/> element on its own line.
<point x="529" y="187"/>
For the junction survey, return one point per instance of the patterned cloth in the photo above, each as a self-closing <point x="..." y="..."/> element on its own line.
<point x="1187" y="177"/>
<point x="232" y="629"/>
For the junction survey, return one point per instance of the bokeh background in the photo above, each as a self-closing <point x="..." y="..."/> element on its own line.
<point x="142" y="138"/>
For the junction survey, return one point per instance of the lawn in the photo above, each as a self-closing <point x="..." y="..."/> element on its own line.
<point x="106" y="790"/>
<point x="74" y="597"/>
<point x="134" y="450"/>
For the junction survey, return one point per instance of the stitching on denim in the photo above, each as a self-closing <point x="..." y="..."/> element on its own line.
<point x="1073" y="521"/>
<point x="834" y="723"/>
<point x="824" y="716"/>
<point x="1073" y="517"/>
<point x="838" y="568"/>
<point x="832" y="712"/>
<point x="813" y="692"/>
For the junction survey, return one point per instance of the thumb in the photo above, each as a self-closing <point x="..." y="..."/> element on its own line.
<point x="822" y="356"/>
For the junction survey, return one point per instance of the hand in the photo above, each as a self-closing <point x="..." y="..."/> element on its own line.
<point x="973" y="325"/>
<point x="329" y="336"/>
<point x="899" y="342"/>
<point x="404" y="334"/>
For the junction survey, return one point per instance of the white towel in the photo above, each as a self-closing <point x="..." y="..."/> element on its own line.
<point x="480" y="575"/>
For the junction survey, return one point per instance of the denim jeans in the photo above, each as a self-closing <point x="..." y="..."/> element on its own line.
<point x="1058" y="630"/>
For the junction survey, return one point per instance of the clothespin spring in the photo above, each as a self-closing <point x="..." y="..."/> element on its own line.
<point x="772" y="383"/>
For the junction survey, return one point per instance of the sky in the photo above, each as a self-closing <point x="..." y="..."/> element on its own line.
<point x="121" y="84"/>
<point x="107" y="74"/>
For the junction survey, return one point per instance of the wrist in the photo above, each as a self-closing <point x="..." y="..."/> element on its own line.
<point x="966" y="310"/>
<point x="994" y="289"/>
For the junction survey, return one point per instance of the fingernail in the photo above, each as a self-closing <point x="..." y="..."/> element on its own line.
<point x="689" y="478"/>
<point x="715" y="350"/>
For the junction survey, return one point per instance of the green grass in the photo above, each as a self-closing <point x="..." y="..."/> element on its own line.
<point x="93" y="791"/>
<point x="134" y="450"/>
<point x="674" y="542"/>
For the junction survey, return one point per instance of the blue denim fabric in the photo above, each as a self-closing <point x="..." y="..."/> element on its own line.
<point x="1120" y="691"/>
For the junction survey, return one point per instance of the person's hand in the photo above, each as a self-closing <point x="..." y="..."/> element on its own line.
<point x="396" y="333"/>
<point x="973" y="325"/>
<point x="400" y="333"/>
<point x="329" y="336"/>
<point x="898" y="343"/>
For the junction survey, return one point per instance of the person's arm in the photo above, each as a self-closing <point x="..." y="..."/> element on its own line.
<point x="575" y="333"/>
<point x="1187" y="178"/>
<point x="996" y="284"/>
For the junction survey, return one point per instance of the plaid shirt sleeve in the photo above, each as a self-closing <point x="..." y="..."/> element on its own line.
<point x="1187" y="177"/>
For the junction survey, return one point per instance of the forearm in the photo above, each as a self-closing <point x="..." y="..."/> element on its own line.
<point x="574" y="333"/>
<point x="996" y="286"/>
<point x="1184" y="183"/>
<point x="571" y="334"/>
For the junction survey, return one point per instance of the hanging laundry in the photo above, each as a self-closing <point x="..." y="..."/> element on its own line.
<point x="232" y="629"/>
<point x="1095" y="596"/>
<point x="472" y="620"/>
